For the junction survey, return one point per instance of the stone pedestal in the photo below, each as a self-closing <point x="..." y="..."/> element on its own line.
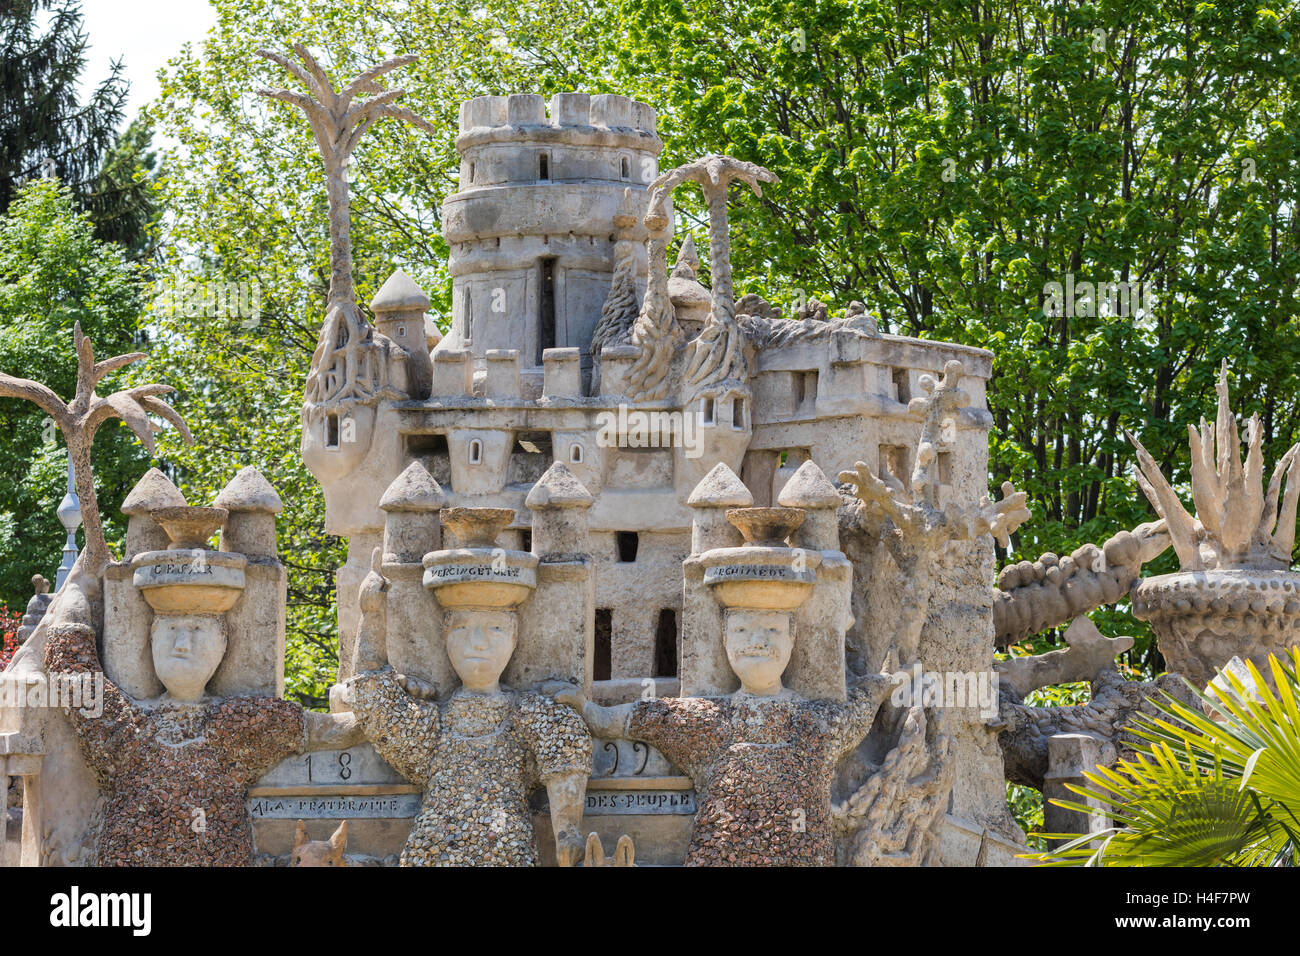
<point x="1069" y="756"/>
<point x="1203" y="619"/>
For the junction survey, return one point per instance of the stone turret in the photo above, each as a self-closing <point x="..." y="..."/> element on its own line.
<point x="153" y="491"/>
<point x="253" y="505"/>
<point x="399" y="309"/>
<point x="531" y="232"/>
<point x="810" y="490"/>
<point x="717" y="491"/>
<point x="559" y="505"/>
<point x="410" y="506"/>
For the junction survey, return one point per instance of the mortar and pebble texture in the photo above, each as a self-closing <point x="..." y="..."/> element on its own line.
<point x="175" y="776"/>
<point x="762" y="769"/>
<point x="478" y="757"/>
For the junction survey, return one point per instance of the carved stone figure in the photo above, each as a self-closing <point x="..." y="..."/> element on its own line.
<point x="480" y="752"/>
<point x="175" y="772"/>
<point x="309" y="852"/>
<point x="761" y="759"/>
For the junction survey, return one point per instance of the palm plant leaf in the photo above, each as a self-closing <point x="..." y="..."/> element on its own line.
<point x="1222" y="789"/>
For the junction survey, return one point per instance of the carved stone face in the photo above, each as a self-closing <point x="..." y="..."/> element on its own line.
<point x="187" y="650"/>
<point x="479" y="643"/>
<point x="758" y="646"/>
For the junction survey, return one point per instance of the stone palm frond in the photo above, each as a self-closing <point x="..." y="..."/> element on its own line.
<point x="1237" y="521"/>
<point x="81" y="418"/>
<point x="339" y="118"/>
<point x="714" y="174"/>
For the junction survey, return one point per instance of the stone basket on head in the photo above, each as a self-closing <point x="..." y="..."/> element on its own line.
<point x="189" y="577"/>
<point x="764" y="572"/>
<point x="478" y="573"/>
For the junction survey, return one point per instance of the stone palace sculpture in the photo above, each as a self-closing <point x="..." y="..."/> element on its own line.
<point x="599" y="589"/>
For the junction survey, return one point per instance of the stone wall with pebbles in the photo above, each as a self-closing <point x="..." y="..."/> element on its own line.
<point x="762" y="769"/>
<point x="175" y="777"/>
<point x="478" y="757"/>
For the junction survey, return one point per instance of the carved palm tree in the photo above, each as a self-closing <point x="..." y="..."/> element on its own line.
<point x="344" y="365"/>
<point x="1237" y="524"/>
<point x="81" y="418"/>
<point x="338" y="121"/>
<point x="716" y="353"/>
<point x="715" y="174"/>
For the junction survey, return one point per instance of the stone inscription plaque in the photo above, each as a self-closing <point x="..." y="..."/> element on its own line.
<point x="638" y="802"/>
<point x="335" y="807"/>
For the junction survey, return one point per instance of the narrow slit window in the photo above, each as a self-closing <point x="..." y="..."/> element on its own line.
<point x="475" y="452"/>
<point x="738" y="414"/>
<point x="575" y="454"/>
<point x="526" y="539"/>
<point x="331" y="431"/>
<point x="471" y="172"/>
<point x="626" y="169"/>
<point x="902" y="386"/>
<point x="543" y="166"/>
<point x="706" y="409"/>
<point x="546" y="309"/>
<point x="602" y="662"/>
<point x="628" y="542"/>
<point x="666" y="644"/>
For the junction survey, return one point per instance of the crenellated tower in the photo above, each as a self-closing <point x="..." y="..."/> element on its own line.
<point x="530" y="231"/>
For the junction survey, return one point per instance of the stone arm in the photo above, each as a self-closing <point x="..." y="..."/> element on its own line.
<point x="256" y="733"/>
<point x="332" y="731"/>
<point x="105" y="737"/>
<point x="604" y="722"/>
<point x="866" y="697"/>
<point x="1114" y="705"/>
<point x="690" y="731"/>
<point x="403" y="729"/>
<point x="561" y="744"/>
<point x="1033" y="596"/>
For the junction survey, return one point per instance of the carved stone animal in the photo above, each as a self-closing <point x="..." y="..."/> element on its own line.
<point x="308" y="852"/>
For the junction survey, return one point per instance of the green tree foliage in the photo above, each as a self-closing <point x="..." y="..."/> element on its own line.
<point x="45" y="129"/>
<point x="944" y="163"/>
<point x="54" y="272"/>
<point x="123" y="199"/>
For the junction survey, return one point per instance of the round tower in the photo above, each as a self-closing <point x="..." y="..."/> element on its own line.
<point x="531" y="231"/>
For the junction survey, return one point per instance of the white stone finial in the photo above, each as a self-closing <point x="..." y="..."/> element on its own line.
<point x="558" y="488"/>
<point x="249" y="491"/>
<point x="720" y="488"/>
<point x="400" y="293"/>
<point x="808" y="487"/>
<point x="413" y="490"/>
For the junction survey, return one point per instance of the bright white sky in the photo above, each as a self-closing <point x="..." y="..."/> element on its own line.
<point x="145" y="34"/>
